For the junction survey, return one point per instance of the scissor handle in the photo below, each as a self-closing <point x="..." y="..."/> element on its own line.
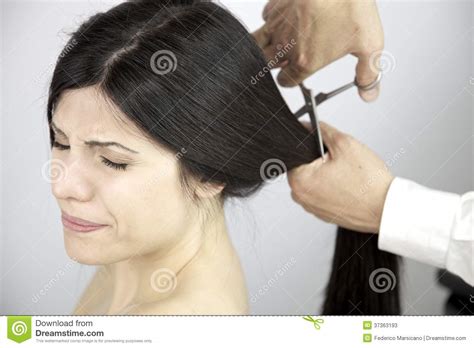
<point x="370" y="85"/>
<point x="321" y="97"/>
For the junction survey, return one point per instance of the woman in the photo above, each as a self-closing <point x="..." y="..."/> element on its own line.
<point x="153" y="112"/>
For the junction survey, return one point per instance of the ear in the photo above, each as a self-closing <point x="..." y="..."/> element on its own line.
<point x="208" y="190"/>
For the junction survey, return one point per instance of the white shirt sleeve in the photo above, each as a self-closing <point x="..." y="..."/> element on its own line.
<point x="430" y="226"/>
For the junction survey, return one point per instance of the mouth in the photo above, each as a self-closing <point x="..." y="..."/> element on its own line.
<point x="79" y="225"/>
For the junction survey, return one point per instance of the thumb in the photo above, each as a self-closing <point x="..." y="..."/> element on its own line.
<point x="329" y="135"/>
<point x="366" y="73"/>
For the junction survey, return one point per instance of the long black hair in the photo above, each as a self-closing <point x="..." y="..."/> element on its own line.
<point x="183" y="72"/>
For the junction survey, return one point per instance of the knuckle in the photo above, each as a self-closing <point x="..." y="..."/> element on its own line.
<point x="325" y="218"/>
<point x="368" y="43"/>
<point x="378" y="44"/>
<point x="356" y="29"/>
<point x="374" y="47"/>
<point x="294" y="177"/>
<point x="343" y="141"/>
<point x="298" y="187"/>
<point x="291" y="183"/>
<point x="295" y="196"/>
<point x="295" y="185"/>
<point x="302" y="63"/>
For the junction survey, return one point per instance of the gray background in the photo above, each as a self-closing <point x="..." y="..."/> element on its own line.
<point x="424" y="111"/>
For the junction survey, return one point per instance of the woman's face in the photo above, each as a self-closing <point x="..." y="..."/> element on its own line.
<point x="142" y="203"/>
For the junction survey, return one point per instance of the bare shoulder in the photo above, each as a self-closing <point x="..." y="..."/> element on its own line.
<point x="198" y="304"/>
<point x="163" y="307"/>
<point x="208" y="289"/>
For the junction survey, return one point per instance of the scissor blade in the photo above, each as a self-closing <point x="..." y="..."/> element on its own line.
<point x="315" y="123"/>
<point x="319" y="99"/>
<point x="303" y="110"/>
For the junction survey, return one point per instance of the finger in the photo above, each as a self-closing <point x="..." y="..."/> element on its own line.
<point x="281" y="64"/>
<point x="298" y="67"/>
<point x="267" y="9"/>
<point x="292" y="75"/>
<point x="317" y="163"/>
<point x="298" y="176"/>
<point x="366" y="73"/>
<point x="282" y="35"/>
<point x="262" y="36"/>
<point x="303" y="175"/>
<point x="270" y="53"/>
<point x="277" y="54"/>
<point x="275" y="23"/>
<point x="270" y="9"/>
<point x="310" y="128"/>
<point x="280" y="44"/>
<point x="329" y="133"/>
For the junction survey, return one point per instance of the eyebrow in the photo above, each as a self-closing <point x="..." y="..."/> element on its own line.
<point x="94" y="142"/>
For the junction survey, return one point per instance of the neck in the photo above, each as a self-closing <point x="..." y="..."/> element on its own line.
<point x="148" y="278"/>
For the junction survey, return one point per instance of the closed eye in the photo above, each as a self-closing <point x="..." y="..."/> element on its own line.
<point x="60" y="146"/>
<point x="116" y="166"/>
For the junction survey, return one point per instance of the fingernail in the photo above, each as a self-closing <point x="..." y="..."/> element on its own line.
<point x="282" y="81"/>
<point x="371" y="95"/>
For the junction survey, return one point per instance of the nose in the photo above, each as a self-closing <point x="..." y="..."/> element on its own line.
<point x="70" y="180"/>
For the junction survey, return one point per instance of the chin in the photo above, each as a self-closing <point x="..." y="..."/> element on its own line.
<point x="83" y="259"/>
<point x="82" y="253"/>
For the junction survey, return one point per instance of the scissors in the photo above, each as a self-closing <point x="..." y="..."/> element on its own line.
<point x="312" y="101"/>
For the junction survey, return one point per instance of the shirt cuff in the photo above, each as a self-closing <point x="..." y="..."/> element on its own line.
<point x="417" y="221"/>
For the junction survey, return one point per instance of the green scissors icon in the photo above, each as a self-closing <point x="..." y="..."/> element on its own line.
<point x="316" y="322"/>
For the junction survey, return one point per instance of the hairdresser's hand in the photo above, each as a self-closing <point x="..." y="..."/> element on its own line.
<point x="313" y="33"/>
<point x="349" y="189"/>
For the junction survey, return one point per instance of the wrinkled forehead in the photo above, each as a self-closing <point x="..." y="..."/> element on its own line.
<point x="86" y="112"/>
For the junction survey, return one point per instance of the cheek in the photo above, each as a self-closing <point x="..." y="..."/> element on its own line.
<point x="148" y="212"/>
<point x="149" y="208"/>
